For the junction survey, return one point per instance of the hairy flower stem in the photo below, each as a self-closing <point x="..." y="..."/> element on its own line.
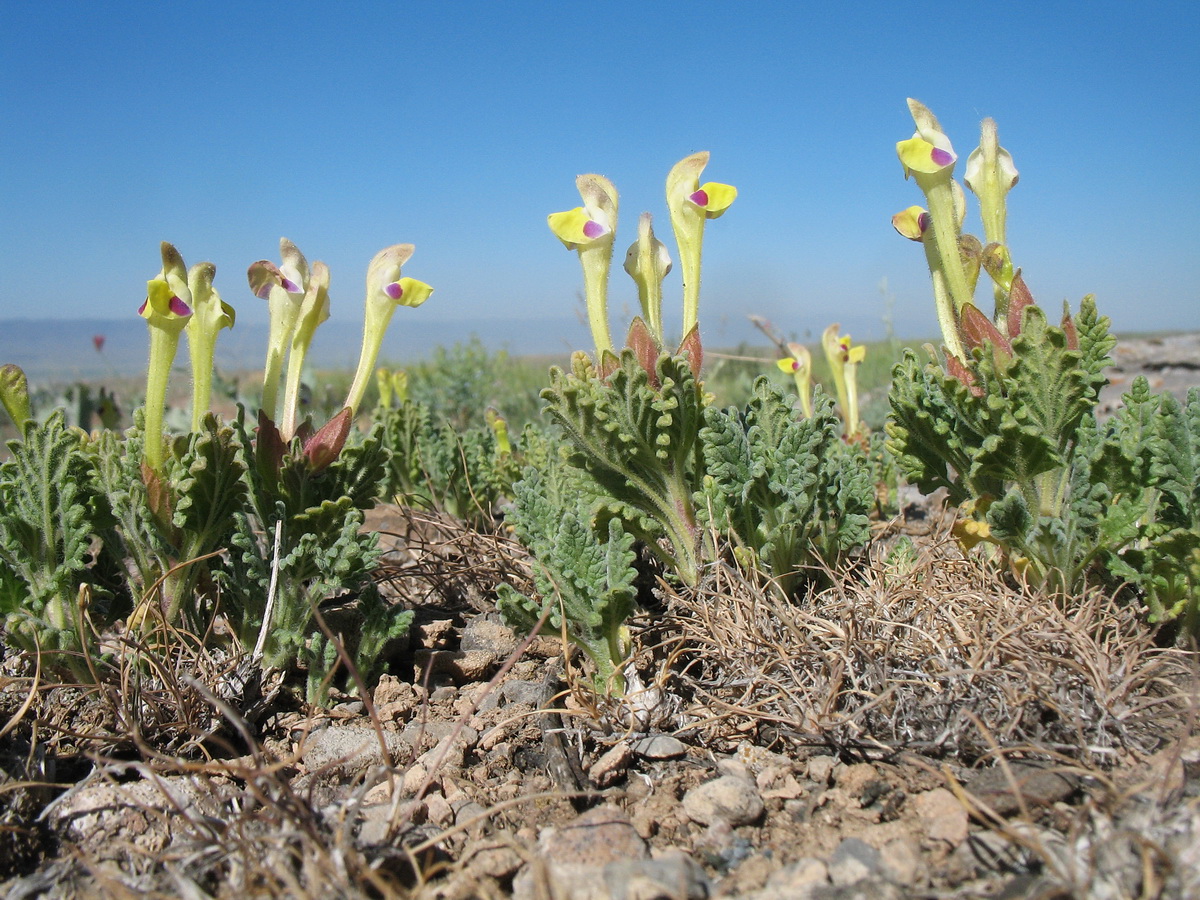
<point x="163" y="346"/>
<point x="944" y="261"/>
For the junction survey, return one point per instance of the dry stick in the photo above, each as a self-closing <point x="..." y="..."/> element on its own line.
<point x="271" y="588"/>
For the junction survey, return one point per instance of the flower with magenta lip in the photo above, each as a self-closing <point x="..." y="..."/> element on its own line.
<point x="691" y="205"/>
<point x="313" y="311"/>
<point x="386" y="289"/>
<point x="929" y="159"/>
<point x="844" y="357"/>
<point x="284" y="288"/>
<point x="799" y="366"/>
<point x="166" y="309"/>
<point x="209" y="315"/>
<point x="590" y="230"/>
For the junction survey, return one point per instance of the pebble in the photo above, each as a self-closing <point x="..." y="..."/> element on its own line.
<point x="820" y="769"/>
<point x="1036" y="785"/>
<point x="343" y="752"/>
<point x="601" y="835"/>
<point x="795" y="879"/>
<point x="484" y="633"/>
<point x="611" y="766"/>
<point x="901" y="860"/>
<point x="660" y="746"/>
<point x="674" y="874"/>
<point x="574" y="857"/>
<point x="462" y="666"/>
<point x="736" y="800"/>
<point x="853" y="861"/>
<point x="438" y="810"/>
<point x="944" y="818"/>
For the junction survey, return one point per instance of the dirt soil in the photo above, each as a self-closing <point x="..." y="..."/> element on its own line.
<point x="921" y="729"/>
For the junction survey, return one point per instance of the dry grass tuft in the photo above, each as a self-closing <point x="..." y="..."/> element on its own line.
<point x="435" y="558"/>
<point x="929" y="653"/>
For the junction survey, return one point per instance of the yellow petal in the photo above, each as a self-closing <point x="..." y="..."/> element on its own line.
<point x="414" y="292"/>
<point x="569" y="227"/>
<point x="909" y="222"/>
<point x="918" y="155"/>
<point x="788" y="364"/>
<point x="720" y="198"/>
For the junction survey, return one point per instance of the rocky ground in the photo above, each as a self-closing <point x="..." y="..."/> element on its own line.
<point x="918" y="730"/>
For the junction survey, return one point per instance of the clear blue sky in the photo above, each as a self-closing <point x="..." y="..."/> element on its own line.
<point x="458" y="126"/>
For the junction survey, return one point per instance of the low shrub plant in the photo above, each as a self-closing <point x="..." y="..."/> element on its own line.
<point x="256" y="524"/>
<point x="1004" y="415"/>
<point x="652" y="462"/>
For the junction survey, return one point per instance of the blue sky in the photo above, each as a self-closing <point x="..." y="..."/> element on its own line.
<point x="458" y="127"/>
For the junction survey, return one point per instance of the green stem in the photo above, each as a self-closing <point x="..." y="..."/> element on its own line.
<point x="291" y="393"/>
<point x="375" y="323"/>
<point x="163" y="346"/>
<point x="944" y="257"/>
<point x="946" y="316"/>
<point x="596" y="261"/>
<point x="202" y="350"/>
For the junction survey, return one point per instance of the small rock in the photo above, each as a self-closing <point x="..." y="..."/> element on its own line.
<point x="820" y="769"/>
<point x="858" y="780"/>
<point x="943" y="817"/>
<point x="674" y="874"/>
<point x="462" y="666"/>
<point x="438" y="810"/>
<point x="574" y="855"/>
<point x="853" y="861"/>
<point x="483" y="633"/>
<point x="901" y="860"/>
<point x="521" y="691"/>
<point x="735" y="800"/>
<point x="435" y="635"/>
<point x="611" y="766"/>
<point x="1036" y="785"/>
<point x="345" y="751"/>
<point x="660" y="746"/>
<point x="735" y="768"/>
<point x="792" y="878"/>
<point x="600" y="835"/>
<point x="443" y="694"/>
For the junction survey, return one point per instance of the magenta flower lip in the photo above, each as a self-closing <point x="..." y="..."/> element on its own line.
<point x="941" y="157"/>
<point x="700" y="197"/>
<point x="393" y="290"/>
<point x="290" y="286"/>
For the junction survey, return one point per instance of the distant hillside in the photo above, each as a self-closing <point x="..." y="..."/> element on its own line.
<point x="53" y="350"/>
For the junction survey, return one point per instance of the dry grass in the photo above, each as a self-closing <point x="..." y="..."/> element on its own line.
<point x="933" y="654"/>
